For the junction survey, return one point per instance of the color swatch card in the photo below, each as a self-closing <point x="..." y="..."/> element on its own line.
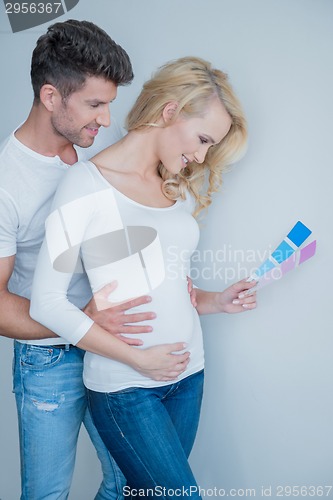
<point x="287" y="255"/>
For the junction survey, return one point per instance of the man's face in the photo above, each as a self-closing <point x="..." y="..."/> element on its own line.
<point x="79" y="117"/>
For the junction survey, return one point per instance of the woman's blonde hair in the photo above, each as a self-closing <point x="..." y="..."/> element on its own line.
<point x="192" y="83"/>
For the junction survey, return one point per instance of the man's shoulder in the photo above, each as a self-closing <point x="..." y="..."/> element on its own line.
<point x="10" y="158"/>
<point x="22" y="172"/>
<point x="7" y="155"/>
<point x="10" y="151"/>
<point x="5" y="144"/>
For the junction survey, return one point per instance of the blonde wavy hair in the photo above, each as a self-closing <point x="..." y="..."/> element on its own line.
<point x="192" y="83"/>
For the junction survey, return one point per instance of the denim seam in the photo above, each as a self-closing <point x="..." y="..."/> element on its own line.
<point x="130" y="446"/>
<point x="22" y="433"/>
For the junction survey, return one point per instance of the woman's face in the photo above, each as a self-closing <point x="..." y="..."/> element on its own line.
<point x="188" y="139"/>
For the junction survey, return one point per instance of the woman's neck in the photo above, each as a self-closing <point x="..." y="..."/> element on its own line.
<point x="134" y="153"/>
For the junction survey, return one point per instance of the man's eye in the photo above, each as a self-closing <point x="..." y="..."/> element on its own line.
<point x="94" y="105"/>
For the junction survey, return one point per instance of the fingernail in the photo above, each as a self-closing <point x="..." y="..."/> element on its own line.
<point x="235" y="301"/>
<point x="184" y="345"/>
<point x="241" y="296"/>
<point x="245" y="306"/>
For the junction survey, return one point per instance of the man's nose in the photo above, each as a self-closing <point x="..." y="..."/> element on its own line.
<point x="104" y="117"/>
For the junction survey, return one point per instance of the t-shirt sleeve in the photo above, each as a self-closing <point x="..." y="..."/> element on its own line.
<point x="59" y="258"/>
<point x="9" y="223"/>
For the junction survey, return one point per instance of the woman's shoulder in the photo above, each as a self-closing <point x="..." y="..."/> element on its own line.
<point x="80" y="180"/>
<point x="107" y="156"/>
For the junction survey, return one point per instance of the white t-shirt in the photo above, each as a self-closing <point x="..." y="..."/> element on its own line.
<point x="146" y="250"/>
<point x="28" y="182"/>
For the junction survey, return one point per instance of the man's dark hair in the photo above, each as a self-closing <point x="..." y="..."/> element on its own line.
<point x="72" y="51"/>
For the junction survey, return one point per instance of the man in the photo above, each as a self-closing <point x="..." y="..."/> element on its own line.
<point x="75" y="71"/>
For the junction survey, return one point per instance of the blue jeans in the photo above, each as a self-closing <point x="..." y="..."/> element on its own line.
<point x="52" y="404"/>
<point x="150" y="433"/>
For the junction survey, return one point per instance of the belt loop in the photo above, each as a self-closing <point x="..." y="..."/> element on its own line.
<point x="67" y="347"/>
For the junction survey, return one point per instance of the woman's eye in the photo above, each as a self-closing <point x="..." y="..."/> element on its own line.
<point x="203" y="140"/>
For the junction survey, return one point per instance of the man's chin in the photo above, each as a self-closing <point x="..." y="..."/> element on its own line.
<point x="86" y="143"/>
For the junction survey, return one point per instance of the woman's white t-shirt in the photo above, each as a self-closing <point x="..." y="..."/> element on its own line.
<point x="94" y="228"/>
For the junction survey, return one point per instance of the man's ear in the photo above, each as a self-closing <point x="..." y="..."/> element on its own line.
<point x="169" y="111"/>
<point x="48" y="96"/>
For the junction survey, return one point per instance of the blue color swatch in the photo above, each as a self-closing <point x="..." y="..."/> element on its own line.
<point x="299" y="234"/>
<point x="264" y="268"/>
<point x="282" y="252"/>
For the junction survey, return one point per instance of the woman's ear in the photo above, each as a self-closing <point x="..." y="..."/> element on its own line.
<point x="48" y="96"/>
<point x="169" y="111"/>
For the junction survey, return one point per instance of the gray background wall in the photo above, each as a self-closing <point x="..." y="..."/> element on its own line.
<point x="268" y="414"/>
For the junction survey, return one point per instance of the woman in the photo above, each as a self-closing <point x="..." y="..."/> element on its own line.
<point x="128" y="214"/>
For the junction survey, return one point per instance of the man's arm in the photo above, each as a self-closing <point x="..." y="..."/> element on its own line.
<point x="232" y="300"/>
<point x="15" y="321"/>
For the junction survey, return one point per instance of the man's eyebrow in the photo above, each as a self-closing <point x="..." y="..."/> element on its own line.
<point x="98" y="101"/>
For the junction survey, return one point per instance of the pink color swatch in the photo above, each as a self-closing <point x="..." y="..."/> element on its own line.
<point x="307" y="252"/>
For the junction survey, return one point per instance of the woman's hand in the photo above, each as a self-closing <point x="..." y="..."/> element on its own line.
<point x="238" y="297"/>
<point x="192" y="291"/>
<point x="162" y="362"/>
<point x="234" y="299"/>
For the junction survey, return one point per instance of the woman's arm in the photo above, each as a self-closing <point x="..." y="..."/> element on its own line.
<point x="158" y="363"/>
<point x="232" y="300"/>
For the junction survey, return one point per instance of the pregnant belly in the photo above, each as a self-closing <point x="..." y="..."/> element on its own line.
<point x="174" y="320"/>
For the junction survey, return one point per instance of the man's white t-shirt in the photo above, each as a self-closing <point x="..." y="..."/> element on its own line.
<point x="28" y="182"/>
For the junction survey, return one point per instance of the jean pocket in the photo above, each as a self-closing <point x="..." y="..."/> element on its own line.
<point x="36" y="357"/>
